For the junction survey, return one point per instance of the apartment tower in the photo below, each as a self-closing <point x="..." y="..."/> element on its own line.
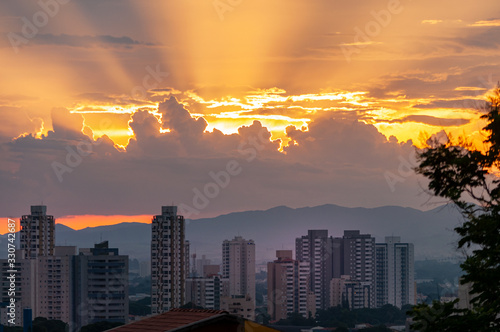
<point x="37" y="233"/>
<point x="395" y="272"/>
<point x="238" y="265"/>
<point x="354" y="256"/>
<point x="287" y="286"/>
<point x="101" y="286"/>
<point x="168" y="260"/>
<point x="316" y="249"/>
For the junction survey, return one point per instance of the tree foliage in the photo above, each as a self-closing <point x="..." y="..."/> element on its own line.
<point x="467" y="177"/>
<point x="343" y="317"/>
<point x="100" y="326"/>
<point x="141" y="307"/>
<point x="41" y="324"/>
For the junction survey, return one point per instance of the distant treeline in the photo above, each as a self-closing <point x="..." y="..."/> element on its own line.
<point x="343" y="317"/>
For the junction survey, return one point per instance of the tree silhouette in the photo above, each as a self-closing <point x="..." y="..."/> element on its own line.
<point x="467" y="177"/>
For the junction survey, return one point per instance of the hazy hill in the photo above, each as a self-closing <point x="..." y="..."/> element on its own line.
<point x="276" y="228"/>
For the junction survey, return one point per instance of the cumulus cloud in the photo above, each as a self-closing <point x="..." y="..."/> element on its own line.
<point x="178" y="119"/>
<point x="66" y="125"/>
<point x="328" y="163"/>
<point x="16" y="121"/>
<point x="344" y="142"/>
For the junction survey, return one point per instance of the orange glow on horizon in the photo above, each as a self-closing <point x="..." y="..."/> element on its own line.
<point x="85" y="221"/>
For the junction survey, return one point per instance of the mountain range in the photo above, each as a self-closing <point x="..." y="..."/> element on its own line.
<point x="430" y="231"/>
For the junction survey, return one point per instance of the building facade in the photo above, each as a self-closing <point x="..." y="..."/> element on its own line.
<point x="238" y="266"/>
<point x="37" y="233"/>
<point x="53" y="284"/>
<point x="101" y="286"/>
<point x="316" y="249"/>
<point x="168" y="260"/>
<point x="207" y="291"/>
<point x="337" y="291"/>
<point x="350" y="293"/>
<point x="43" y="284"/>
<point x="354" y="256"/>
<point x="239" y="305"/>
<point x="287" y="286"/>
<point x="43" y="271"/>
<point x="200" y="263"/>
<point x="395" y="272"/>
<point x="23" y="283"/>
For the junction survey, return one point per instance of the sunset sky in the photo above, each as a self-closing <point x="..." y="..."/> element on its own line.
<point x="117" y="107"/>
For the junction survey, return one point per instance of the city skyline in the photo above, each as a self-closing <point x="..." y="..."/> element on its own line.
<point x="353" y="271"/>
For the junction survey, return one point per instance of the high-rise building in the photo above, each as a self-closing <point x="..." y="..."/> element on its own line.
<point x="42" y="284"/>
<point x="101" y="286"/>
<point x="144" y="268"/>
<point x="351" y="293"/>
<point x="238" y="265"/>
<point x="58" y="285"/>
<point x="23" y="283"/>
<point x="316" y="249"/>
<point x="465" y="295"/>
<point x="210" y="270"/>
<point x="354" y="256"/>
<point x="187" y="264"/>
<point x="287" y="286"/>
<point x="207" y="291"/>
<point x="395" y="272"/>
<point x="37" y="233"/>
<point x="200" y="263"/>
<point x="168" y="260"/>
<point x="53" y="284"/>
<point x="44" y="271"/>
<point x="337" y="291"/>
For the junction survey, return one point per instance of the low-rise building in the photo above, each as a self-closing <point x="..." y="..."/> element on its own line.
<point x="239" y="305"/>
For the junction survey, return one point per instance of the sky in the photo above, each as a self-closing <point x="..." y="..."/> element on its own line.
<point x="117" y="107"/>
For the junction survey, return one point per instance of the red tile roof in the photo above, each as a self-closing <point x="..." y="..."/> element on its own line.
<point x="169" y="320"/>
